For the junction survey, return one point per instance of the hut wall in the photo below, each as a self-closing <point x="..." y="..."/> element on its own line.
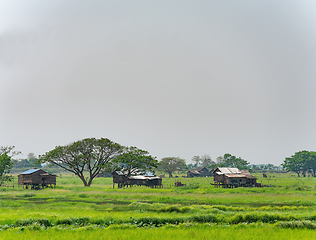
<point x="205" y="173"/>
<point x="137" y="181"/>
<point x="118" y="179"/>
<point x="235" y="180"/>
<point x="49" y="179"/>
<point x="35" y="178"/>
<point x="30" y="179"/>
<point x="218" y="178"/>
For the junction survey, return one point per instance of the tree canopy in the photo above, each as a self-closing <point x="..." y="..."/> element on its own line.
<point x="301" y="162"/>
<point x="135" y="161"/>
<point x="171" y="164"/>
<point x="229" y="160"/>
<point x="6" y="154"/>
<point x="85" y="158"/>
<point x="5" y="166"/>
<point x="9" y="150"/>
<point x="204" y="160"/>
<point x="31" y="161"/>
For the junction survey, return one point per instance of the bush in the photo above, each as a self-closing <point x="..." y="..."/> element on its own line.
<point x="83" y="195"/>
<point x="27" y="195"/>
<point x="204" y="219"/>
<point x="297" y="225"/>
<point x="174" y="208"/>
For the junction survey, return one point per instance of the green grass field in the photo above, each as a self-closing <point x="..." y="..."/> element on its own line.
<point x="286" y="209"/>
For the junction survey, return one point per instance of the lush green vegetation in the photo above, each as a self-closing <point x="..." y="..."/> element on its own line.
<point x="285" y="209"/>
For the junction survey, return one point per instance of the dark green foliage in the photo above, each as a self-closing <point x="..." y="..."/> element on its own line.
<point x="5" y="166"/>
<point x="27" y="222"/>
<point x="83" y="195"/>
<point x="259" y="217"/>
<point x="231" y="161"/>
<point x="135" y="161"/>
<point x="27" y="195"/>
<point x="174" y="209"/>
<point x="302" y="162"/>
<point x="204" y="219"/>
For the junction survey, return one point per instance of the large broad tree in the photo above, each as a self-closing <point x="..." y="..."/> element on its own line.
<point x="171" y="164"/>
<point x="85" y="158"/>
<point x="135" y="161"/>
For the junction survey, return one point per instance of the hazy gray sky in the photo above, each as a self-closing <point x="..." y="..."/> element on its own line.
<point x="176" y="78"/>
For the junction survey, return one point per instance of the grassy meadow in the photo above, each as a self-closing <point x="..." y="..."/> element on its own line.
<point x="285" y="209"/>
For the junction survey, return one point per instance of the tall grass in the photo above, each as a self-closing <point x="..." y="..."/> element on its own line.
<point x="182" y="232"/>
<point x="70" y="208"/>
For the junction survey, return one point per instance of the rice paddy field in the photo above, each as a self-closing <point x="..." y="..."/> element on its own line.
<point x="284" y="209"/>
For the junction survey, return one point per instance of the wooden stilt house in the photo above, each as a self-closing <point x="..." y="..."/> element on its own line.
<point x="36" y="178"/>
<point x="199" y="172"/>
<point x="148" y="179"/>
<point x="233" y="177"/>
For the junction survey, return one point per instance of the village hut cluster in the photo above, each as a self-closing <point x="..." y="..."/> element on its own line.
<point x="225" y="177"/>
<point x="233" y="177"/>
<point x="36" y="179"/>
<point x="148" y="179"/>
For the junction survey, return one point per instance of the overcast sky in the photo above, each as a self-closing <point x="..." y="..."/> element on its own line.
<point x="176" y="78"/>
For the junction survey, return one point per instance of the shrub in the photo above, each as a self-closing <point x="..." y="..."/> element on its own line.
<point x="174" y="208"/>
<point x="204" y="219"/>
<point x="83" y="195"/>
<point x="67" y="221"/>
<point x="297" y="224"/>
<point x="27" y="195"/>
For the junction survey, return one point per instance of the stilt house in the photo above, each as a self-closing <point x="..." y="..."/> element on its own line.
<point x="199" y="172"/>
<point x="36" y="178"/>
<point x="148" y="179"/>
<point x="233" y="177"/>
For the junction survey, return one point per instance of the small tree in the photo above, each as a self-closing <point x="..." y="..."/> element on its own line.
<point x="207" y="161"/>
<point x="6" y="163"/>
<point x="5" y="166"/>
<point x="171" y="164"/>
<point x="301" y="163"/>
<point x="196" y="160"/>
<point x="33" y="160"/>
<point x="219" y="160"/>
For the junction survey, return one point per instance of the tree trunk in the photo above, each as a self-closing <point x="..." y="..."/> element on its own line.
<point x="170" y="174"/>
<point x="90" y="181"/>
<point x="84" y="180"/>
